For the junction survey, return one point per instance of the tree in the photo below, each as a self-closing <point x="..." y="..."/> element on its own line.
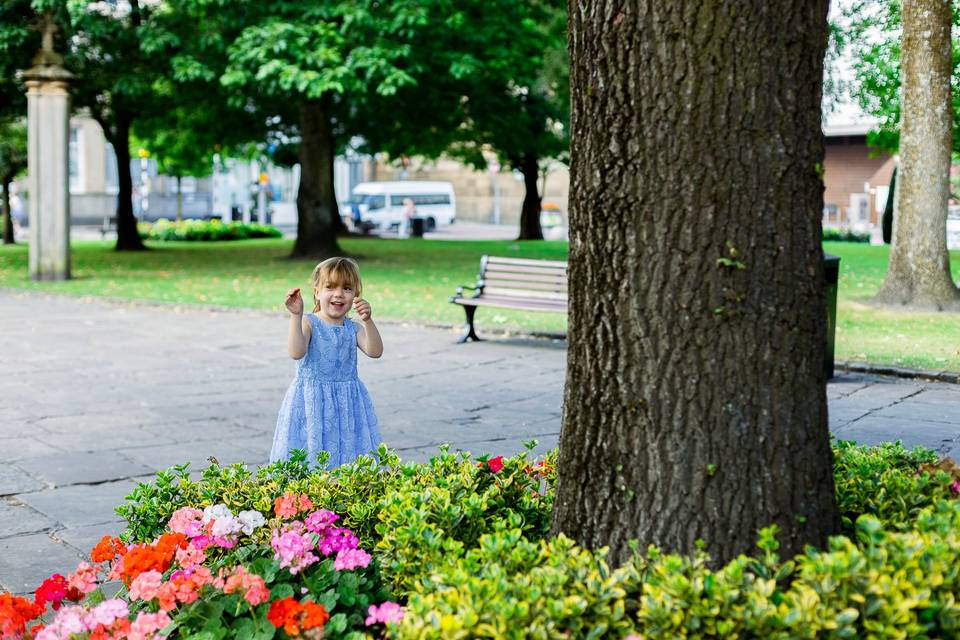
<point x="919" y="270"/>
<point x="514" y="103"/>
<point x="695" y="402"/>
<point x="115" y="78"/>
<point x="303" y="65"/>
<point x="13" y="161"/>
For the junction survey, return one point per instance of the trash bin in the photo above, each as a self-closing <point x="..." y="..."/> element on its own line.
<point x="416" y="227"/>
<point x="831" y="276"/>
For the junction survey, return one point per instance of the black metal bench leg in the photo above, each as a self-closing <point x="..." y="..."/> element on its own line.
<point x="468" y="331"/>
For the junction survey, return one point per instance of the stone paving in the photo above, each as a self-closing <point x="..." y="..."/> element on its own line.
<point x="97" y="396"/>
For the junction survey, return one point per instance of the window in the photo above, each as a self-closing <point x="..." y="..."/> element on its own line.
<point x="421" y="200"/>
<point x="373" y="202"/>
<point x="74" y="160"/>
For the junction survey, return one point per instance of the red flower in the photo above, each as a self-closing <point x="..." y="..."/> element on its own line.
<point x="294" y="616"/>
<point x="283" y="613"/>
<point x="314" y="615"/>
<point x="54" y="590"/>
<point x="495" y="464"/>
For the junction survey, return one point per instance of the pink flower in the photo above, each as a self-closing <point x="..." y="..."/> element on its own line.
<point x="348" y="559"/>
<point x="106" y="613"/>
<point x="955" y="486"/>
<point x="293" y="550"/>
<point x="190" y="556"/>
<point x="146" y="586"/>
<point x="186" y="521"/>
<point x="147" y="624"/>
<point x="320" y="521"/>
<point x="69" y="621"/>
<point x="84" y="579"/>
<point x="253" y="586"/>
<point x="386" y="612"/>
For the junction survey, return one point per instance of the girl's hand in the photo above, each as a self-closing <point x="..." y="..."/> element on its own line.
<point x="294" y="302"/>
<point x="363" y="309"/>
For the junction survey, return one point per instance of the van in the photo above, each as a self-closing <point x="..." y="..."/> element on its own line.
<point x="381" y="203"/>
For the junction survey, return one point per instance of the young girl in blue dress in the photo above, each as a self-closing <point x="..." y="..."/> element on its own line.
<point x="327" y="408"/>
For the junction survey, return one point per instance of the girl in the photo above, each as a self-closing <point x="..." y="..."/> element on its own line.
<point x="327" y="408"/>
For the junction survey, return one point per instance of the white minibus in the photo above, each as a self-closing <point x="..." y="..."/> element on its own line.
<point x="381" y="203"/>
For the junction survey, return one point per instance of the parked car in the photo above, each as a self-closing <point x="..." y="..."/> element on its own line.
<point x="381" y="203"/>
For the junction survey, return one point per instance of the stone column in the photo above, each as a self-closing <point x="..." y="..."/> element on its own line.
<point x="48" y="144"/>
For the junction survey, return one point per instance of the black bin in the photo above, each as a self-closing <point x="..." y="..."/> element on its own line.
<point x="416" y="227"/>
<point x="831" y="276"/>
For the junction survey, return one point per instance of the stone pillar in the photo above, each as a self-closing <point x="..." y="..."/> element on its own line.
<point x="48" y="144"/>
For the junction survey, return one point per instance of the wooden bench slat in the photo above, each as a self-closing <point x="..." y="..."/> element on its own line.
<point x="512" y="268"/>
<point x="526" y="261"/>
<point x="558" y="278"/>
<point x="558" y="287"/>
<point x="524" y="305"/>
<point x="523" y="293"/>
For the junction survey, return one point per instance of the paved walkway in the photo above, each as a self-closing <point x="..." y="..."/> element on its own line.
<point x="98" y="396"/>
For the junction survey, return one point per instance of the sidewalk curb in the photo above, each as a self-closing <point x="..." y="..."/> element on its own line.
<point x="952" y="377"/>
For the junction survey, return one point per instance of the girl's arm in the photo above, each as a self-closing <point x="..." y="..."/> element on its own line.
<point x="298" y="336"/>
<point x="368" y="337"/>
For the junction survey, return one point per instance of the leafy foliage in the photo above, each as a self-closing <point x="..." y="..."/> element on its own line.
<point x="205" y="230"/>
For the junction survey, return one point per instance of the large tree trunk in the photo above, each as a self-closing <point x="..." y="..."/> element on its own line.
<point x="7" y="213"/>
<point x="919" y="270"/>
<point x="318" y="217"/>
<point x="695" y="403"/>
<point x="128" y="239"/>
<point x="530" y="212"/>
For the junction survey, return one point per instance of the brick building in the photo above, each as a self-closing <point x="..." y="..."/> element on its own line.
<point x="856" y="178"/>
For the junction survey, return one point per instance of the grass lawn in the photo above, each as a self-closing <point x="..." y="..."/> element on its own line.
<point x="412" y="281"/>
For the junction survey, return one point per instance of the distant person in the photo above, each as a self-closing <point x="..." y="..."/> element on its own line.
<point x="409" y="213"/>
<point x="326" y="407"/>
<point x="356" y="220"/>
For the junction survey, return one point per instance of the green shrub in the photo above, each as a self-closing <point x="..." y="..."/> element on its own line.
<point x="204" y="230"/>
<point x="464" y="542"/>
<point x="512" y="587"/>
<point x="885" y="482"/>
<point x="831" y="234"/>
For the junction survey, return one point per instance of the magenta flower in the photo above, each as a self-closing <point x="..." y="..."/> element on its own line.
<point x="293" y="549"/>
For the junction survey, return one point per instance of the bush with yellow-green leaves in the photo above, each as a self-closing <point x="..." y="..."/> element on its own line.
<point x="464" y="543"/>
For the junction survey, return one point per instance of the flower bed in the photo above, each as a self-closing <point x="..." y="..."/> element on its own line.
<point x="460" y="547"/>
<point x="204" y="230"/>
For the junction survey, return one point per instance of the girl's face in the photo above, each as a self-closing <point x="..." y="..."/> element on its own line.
<point x="335" y="301"/>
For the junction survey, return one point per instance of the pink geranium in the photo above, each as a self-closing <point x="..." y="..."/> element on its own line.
<point x="147" y="624"/>
<point x="386" y="612"/>
<point x="84" y="579"/>
<point x="294" y="549"/>
<point x="146" y="586"/>
<point x="187" y="521"/>
<point x="348" y="559"/>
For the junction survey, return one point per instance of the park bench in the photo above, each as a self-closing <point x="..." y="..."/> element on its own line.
<point x="514" y="283"/>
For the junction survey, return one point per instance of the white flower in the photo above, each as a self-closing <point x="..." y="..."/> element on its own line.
<point x="251" y="520"/>
<point x="216" y="512"/>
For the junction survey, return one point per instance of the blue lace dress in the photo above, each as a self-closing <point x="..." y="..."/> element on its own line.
<point x="327" y="408"/>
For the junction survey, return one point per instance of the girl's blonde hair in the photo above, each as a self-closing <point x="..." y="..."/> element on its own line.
<point x="335" y="271"/>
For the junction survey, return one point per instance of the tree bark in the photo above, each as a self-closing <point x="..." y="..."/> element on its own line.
<point x="530" y="228"/>
<point x="7" y="213"/>
<point x="919" y="272"/>
<point x="318" y="216"/>
<point x="128" y="239"/>
<point x="695" y="400"/>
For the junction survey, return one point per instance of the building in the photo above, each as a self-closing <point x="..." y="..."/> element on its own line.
<point x="856" y="178"/>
